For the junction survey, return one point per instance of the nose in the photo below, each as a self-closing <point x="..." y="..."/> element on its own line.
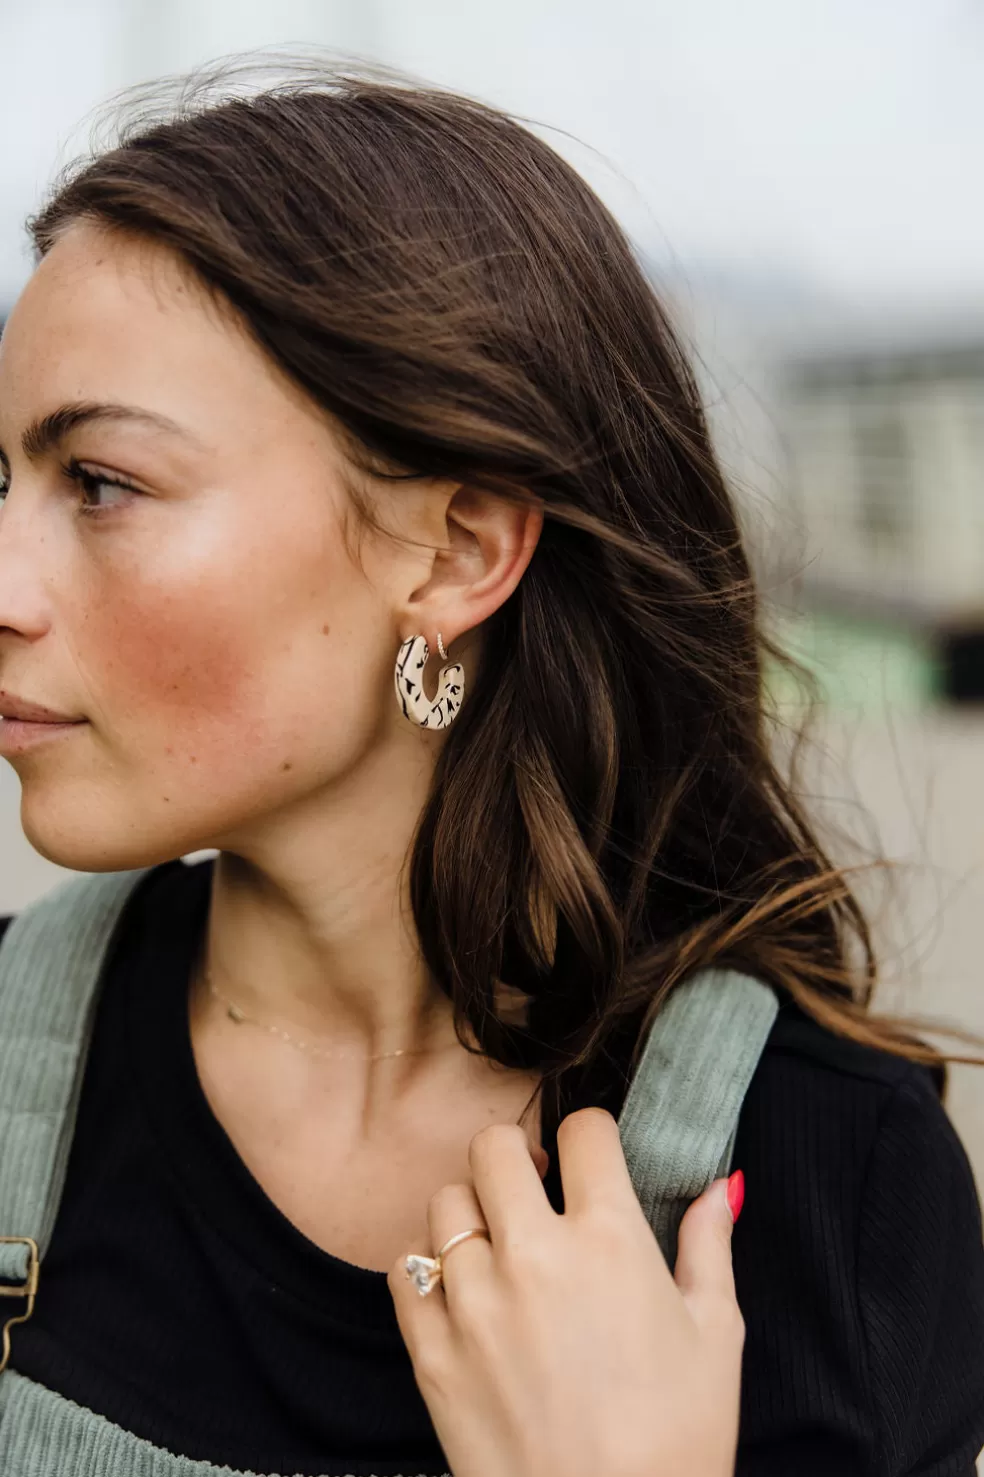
<point x="27" y="573"/>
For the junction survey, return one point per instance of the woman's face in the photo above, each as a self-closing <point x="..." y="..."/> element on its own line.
<point x="210" y="623"/>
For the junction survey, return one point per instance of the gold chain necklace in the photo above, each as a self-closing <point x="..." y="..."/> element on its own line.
<point x="237" y="1014"/>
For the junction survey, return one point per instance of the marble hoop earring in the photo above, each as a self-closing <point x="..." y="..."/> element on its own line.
<point x="437" y="712"/>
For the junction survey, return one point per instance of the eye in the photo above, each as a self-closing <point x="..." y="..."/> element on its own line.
<point x="89" y="482"/>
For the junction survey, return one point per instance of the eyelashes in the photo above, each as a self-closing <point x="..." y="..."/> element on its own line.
<point x="88" y="481"/>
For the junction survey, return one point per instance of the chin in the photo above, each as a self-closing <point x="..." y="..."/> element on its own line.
<point x="82" y="843"/>
<point x="91" y="855"/>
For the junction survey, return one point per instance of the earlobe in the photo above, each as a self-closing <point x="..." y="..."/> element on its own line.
<point x="416" y="706"/>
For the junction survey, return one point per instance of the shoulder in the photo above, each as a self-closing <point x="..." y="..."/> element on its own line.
<point x="866" y="1121"/>
<point x="819" y="1097"/>
<point x="797" y="1035"/>
<point x="858" y="1124"/>
<point x="859" y="1256"/>
<point x="808" y="1073"/>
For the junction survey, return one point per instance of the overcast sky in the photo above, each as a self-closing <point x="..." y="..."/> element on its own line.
<point x="833" y="142"/>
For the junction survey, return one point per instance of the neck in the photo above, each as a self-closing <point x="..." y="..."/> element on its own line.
<point x="310" y="927"/>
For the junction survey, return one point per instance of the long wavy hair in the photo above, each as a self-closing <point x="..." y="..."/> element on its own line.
<point x="607" y="814"/>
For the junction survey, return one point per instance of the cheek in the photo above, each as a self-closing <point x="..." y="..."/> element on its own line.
<point x="238" y="690"/>
<point x="157" y="664"/>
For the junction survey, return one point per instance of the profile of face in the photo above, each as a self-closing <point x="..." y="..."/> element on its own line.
<point x="191" y="581"/>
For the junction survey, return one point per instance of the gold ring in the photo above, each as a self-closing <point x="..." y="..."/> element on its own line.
<point x="425" y="1271"/>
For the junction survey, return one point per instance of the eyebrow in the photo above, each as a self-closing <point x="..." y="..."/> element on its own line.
<point x="48" y="432"/>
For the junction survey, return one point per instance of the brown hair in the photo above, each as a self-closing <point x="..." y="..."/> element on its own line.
<point x="607" y="815"/>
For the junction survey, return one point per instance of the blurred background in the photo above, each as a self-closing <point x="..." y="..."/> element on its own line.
<point x="803" y="185"/>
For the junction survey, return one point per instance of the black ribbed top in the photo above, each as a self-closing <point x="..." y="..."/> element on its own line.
<point x="178" y="1301"/>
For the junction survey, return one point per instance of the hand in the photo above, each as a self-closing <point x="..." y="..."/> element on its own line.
<point x="564" y="1344"/>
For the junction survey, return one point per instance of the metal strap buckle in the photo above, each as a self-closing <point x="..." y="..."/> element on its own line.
<point x="28" y="1290"/>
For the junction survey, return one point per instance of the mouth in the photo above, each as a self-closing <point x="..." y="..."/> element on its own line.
<point x="21" y="708"/>
<point x="18" y="735"/>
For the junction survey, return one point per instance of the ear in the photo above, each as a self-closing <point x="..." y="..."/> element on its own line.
<point x="489" y="541"/>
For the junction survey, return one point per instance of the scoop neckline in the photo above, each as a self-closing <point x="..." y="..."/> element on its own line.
<point x="169" y="919"/>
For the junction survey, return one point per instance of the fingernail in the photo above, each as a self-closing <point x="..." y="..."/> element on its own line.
<point x="736" y="1193"/>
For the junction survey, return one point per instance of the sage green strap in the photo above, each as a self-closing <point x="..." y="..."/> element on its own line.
<point x="50" y="962"/>
<point x="680" y="1116"/>
<point x="42" y="1434"/>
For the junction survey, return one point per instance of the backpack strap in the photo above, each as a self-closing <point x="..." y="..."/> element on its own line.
<point x="51" y="962"/>
<point x="677" y="1125"/>
<point x="679" y="1121"/>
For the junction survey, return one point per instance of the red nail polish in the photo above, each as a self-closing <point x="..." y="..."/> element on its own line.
<point x="736" y="1193"/>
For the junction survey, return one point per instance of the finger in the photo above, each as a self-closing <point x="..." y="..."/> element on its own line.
<point x="507" y="1182"/>
<point x="704" y="1270"/>
<point x="423" y="1321"/>
<point x="452" y="1209"/>
<point x="592" y="1164"/>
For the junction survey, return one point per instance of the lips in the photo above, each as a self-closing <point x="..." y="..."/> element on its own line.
<point x="21" y="737"/>
<point x="27" y="712"/>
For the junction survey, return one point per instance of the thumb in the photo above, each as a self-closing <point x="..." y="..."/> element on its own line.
<point x="703" y="1269"/>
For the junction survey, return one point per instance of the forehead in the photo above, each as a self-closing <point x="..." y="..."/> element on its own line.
<point x="119" y="318"/>
<point x="93" y="279"/>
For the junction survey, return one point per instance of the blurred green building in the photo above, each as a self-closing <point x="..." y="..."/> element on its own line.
<point x="884" y="443"/>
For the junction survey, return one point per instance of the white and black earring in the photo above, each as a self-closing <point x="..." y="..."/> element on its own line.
<point x="437" y="712"/>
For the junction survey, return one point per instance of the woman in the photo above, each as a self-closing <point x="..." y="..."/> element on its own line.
<point x="307" y="380"/>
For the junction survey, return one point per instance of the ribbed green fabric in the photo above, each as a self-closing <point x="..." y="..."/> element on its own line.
<point x="679" y="1120"/>
<point x="49" y="968"/>
<point x="44" y="1435"/>
<point x="677" y="1126"/>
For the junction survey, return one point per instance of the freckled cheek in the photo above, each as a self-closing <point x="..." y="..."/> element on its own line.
<point x="168" y="669"/>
